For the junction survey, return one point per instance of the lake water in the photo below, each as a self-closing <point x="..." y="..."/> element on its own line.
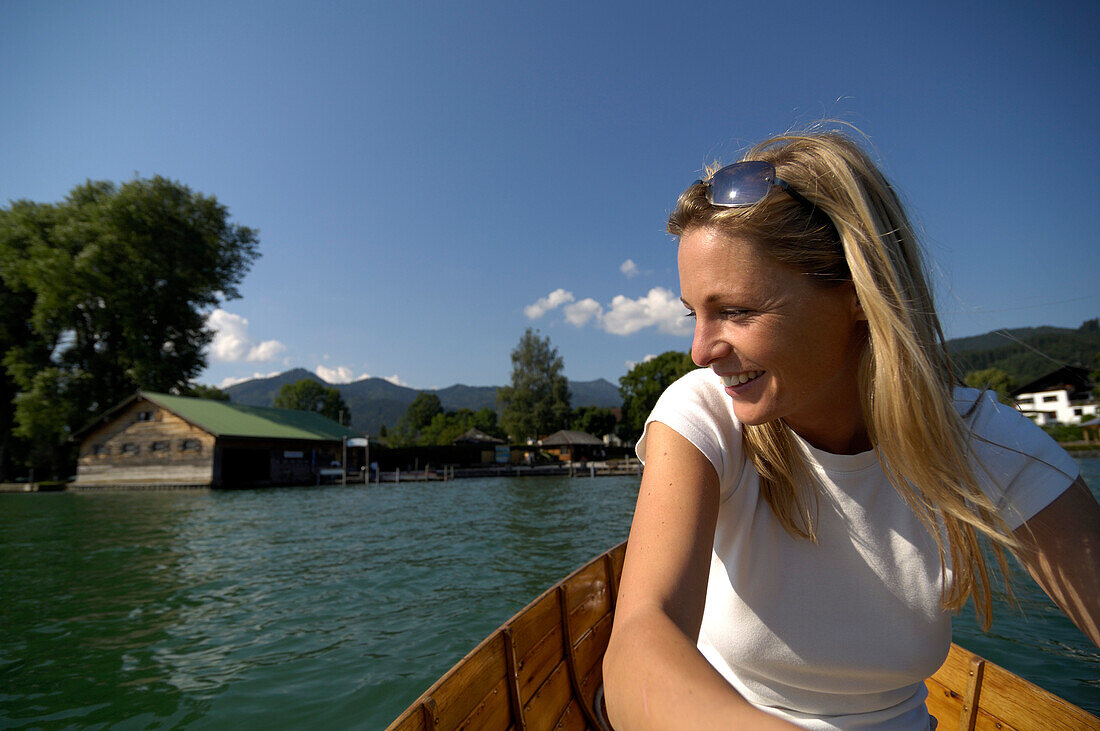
<point x="330" y="606"/>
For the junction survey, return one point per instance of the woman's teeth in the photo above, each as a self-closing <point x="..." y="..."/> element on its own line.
<point x="739" y="378"/>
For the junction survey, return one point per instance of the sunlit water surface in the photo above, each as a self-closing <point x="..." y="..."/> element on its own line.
<point x="326" y="606"/>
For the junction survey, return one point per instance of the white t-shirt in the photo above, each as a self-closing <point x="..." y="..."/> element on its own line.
<point x="842" y="634"/>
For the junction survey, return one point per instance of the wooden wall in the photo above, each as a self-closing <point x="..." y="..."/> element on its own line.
<point x="146" y="445"/>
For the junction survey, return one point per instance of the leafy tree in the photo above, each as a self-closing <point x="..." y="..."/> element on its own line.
<point x="594" y="420"/>
<point x="310" y="395"/>
<point x="119" y="281"/>
<point x="199" y="390"/>
<point x="993" y="379"/>
<point x="424" y="408"/>
<point x="446" y="427"/>
<point x="644" y="384"/>
<point x="537" y="401"/>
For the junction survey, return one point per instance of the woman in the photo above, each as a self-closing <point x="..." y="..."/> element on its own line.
<point x="812" y="498"/>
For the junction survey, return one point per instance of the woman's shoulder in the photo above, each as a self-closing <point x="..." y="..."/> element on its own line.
<point x="696" y="407"/>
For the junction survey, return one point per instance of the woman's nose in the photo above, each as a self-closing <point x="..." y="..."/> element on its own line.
<point x="706" y="345"/>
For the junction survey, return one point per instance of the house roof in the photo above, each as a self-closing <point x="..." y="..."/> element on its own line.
<point x="1070" y="378"/>
<point x="565" y="438"/>
<point x="224" y="419"/>
<point x="476" y="436"/>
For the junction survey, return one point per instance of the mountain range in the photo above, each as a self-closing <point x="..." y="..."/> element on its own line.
<point x="1024" y="353"/>
<point x="375" y="401"/>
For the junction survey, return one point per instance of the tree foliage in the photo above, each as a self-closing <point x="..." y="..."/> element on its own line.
<point x="537" y="401"/>
<point x="993" y="379"/>
<point x="644" y="384"/>
<point x="424" y="408"/>
<point x="198" y="390"/>
<point x="310" y="395"/>
<point x="595" y="420"/>
<point x="105" y="293"/>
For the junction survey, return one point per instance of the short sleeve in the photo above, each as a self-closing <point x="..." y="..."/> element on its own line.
<point x="1016" y="463"/>
<point x="696" y="408"/>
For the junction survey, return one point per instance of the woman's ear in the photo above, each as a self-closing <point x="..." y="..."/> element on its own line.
<point x="857" y="308"/>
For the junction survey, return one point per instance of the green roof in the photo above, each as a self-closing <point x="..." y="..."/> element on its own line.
<point x="224" y="419"/>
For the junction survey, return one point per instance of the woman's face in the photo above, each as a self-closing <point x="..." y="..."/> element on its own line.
<point x="784" y="346"/>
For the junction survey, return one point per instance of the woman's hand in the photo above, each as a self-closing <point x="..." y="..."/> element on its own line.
<point x="1062" y="553"/>
<point x="654" y="676"/>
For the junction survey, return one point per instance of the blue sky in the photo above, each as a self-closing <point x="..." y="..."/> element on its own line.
<point x="430" y="179"/>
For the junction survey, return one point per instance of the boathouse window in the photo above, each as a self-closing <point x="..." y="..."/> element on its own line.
<point x="129" y="448"/>
<point x="145" y="416"/>
<point x="160" y="446"/>
<point x="1048" y="399"/>
<point x="1026" y="400"/>
<point x="1078" y="412"/>
<point x="190" y="445"/>
<point x="100" y="449"/>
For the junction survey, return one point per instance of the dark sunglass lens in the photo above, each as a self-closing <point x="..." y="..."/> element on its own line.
<point x="741" y="184"/>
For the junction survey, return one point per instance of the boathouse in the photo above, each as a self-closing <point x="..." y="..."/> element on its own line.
<point x="573" y="446"/>
<point x="154" y="439"/>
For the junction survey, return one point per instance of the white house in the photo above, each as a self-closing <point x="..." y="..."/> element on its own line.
<point x="1063" y="396"/>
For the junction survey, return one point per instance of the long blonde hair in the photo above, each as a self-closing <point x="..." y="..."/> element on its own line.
<point x="859" y="233"/>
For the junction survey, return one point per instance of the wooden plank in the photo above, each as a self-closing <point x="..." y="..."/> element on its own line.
<point x="470" y="682"/>
<point x="1011" y="701"/>
<point x="571" y="718"/>
<point x="944" y="704"/>
<point x="532" y="625"/>
<point x="570" y="652"/>
<point x="955" y="671"/>
<point x="590" y="648"/>
<point x="589" y="599"/>
<point x="972" y="696"/>
<point x="513" y="680"/>
<point x="535" y="668"/>
<point x="546" y="705"/>
<point x="494" y="713"/>
<point x="411" y="720"/>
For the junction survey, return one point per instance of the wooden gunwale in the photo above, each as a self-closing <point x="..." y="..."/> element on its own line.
<point x="535" y="657"/>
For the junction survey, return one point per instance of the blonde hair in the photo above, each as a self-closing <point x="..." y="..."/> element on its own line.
<point x="858" y="232"/>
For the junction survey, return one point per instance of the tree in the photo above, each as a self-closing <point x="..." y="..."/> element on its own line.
<point x="119" y="281"/>
<point x="594" y="420"/>
<point x="993" y="379"/>
<point x="310" y="395"/>
<point x="199" y="390"/>
<point x="537" y="401"/>
<point x="644" y="384"/>
<point x="424" y="408"/>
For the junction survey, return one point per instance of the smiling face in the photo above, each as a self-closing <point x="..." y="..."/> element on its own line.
<point x="784" y="346"/>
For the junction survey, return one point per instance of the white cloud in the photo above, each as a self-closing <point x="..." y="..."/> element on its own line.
<point x="232" y="342"/>
<point x="579" y="313"/>
<point x="660" y="308"/>
<point x="339" y="374"/>
<point x="233" y="381"/>
<point x="629" y="268"/>
<point x="555" y="299"/>
<point x="396" y="381"/>
<point x="630" y="363"/>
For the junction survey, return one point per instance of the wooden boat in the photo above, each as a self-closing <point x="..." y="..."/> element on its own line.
<point x="542" y="670"/>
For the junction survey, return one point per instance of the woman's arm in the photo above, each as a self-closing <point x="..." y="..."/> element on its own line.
<point x="1062" y="553"/>
<point x="654" y="676"/>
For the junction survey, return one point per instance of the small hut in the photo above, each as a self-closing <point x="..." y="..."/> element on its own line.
<point x="573" y="446"/>
<point x="154" y="439"/>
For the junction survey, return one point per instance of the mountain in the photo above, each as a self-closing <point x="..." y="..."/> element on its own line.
<point x="1029" y="352"/>
<point x="376" y="401"/>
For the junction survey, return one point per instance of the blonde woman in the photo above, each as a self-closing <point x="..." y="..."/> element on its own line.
<point x="813" y="497"/>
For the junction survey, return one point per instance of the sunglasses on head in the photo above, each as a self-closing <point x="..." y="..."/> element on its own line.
<point x="745" y="184"/>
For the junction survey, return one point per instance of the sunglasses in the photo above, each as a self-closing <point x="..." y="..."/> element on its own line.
<point x="745" y="184"/>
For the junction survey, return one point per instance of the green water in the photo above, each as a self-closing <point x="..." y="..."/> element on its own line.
<point x="323" y="606"/>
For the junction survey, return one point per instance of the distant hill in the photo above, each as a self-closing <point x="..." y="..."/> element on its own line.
<point x="1029" y="352"/>
<point x="376" y="401"/>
